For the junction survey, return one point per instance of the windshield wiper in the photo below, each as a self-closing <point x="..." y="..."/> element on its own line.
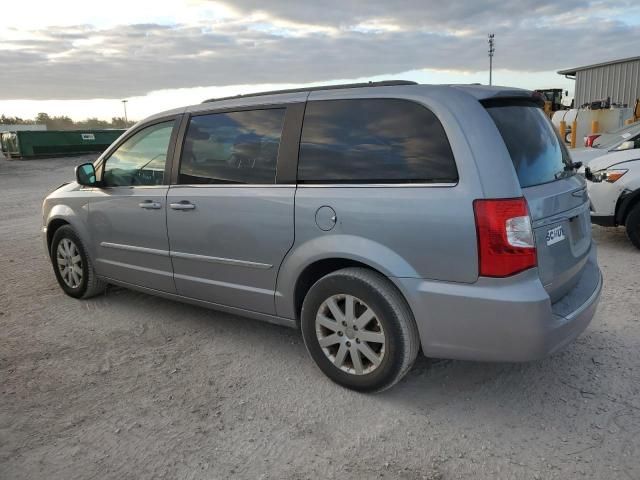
<point x="568" y="171"/>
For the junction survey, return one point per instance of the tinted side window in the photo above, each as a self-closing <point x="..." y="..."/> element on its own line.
<point x="373" y="140"/>
<point x="234" y="147"/>
<point x="140" y="160"/>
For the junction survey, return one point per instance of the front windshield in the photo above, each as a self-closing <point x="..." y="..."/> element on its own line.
<point x="609" y="140"/>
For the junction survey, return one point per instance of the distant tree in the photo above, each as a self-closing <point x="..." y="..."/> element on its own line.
<point x="120" y="122"/>
<point x="4" y="120"/>
<point x="43" y="118"/>
<point x="92" y="123"/>
<point x="64" y="122"/>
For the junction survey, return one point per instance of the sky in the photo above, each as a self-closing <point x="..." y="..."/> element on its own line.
<point x="82" y="58"/>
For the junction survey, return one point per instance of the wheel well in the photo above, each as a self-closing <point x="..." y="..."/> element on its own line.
<point x="626" y="209"/>
<point x="314" y="272"/>
<point x="51" y="230"/>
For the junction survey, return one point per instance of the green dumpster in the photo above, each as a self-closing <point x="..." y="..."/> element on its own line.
<point x="52" y="143"/>
<point x="5" y="139"/>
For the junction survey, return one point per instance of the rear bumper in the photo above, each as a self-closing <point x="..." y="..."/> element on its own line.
<point x="500" y="319"/>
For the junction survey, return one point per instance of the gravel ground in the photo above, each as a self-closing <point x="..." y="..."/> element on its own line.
<point x="129" y="386"/>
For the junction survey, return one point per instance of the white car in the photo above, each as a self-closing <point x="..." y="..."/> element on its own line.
<point x="625" y="138"/>
<point x="613" y="183"/>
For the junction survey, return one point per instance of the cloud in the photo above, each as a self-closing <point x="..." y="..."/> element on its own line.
<point x="408" y="13"/>
<point x="296" y="42"/>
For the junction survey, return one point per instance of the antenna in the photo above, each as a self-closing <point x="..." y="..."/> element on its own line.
<point x="492" y="49"/>
<point x="124" y="104"/>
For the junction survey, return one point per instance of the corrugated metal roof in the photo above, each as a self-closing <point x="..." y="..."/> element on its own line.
<point x="618" y="81"/>
<point x="572" y="71"/>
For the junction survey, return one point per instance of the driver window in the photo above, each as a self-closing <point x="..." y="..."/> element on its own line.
<point x="141" y="159"/>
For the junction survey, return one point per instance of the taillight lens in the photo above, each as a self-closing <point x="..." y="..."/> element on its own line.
<point x="588" y="141"/>
<point x="505" y="237"/>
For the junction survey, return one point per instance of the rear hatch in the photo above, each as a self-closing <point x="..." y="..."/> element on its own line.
<point x="557" y="197"/>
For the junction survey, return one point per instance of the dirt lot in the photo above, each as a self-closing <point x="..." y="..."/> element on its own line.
<point x="128" y="386"/>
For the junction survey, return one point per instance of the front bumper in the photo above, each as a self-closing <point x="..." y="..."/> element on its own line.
<point x="495" y="319"/>
<point x="44" y="239"/>
<point x="603" y="197"/>
<point x="603" y="220"/>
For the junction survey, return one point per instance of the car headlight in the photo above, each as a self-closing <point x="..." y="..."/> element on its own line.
<point x="608" y="175"/>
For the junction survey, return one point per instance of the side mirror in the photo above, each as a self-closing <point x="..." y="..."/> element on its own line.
<point x="588" y="174"/>
<point x="86" y="175"/>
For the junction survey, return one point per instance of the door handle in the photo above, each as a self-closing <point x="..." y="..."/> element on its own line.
<point x="183" y="205"/>
<point x="150" y="205"/>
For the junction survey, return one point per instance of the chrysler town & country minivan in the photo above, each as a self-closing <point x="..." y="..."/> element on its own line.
<point x="381" y="219"/>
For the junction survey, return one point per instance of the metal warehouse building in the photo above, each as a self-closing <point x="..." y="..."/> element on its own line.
<point x="618" y="79"/>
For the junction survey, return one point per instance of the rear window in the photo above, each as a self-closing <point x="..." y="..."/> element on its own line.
<point x="536" y="151"/>
<point x="373" y="141"/>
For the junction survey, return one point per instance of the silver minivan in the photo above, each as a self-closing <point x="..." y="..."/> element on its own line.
<point x="379" y="218"/>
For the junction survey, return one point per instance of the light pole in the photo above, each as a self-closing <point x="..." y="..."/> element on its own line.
<point x="492" y="49"/>
<point x="124" y="103"/>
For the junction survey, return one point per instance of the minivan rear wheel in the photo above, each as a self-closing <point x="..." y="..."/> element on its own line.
<point x="359" y="329"/>
<point x="72" y="266"/>
<point x="632" y="224"/>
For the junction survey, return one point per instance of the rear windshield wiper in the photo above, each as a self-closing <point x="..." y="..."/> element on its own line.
<point x="568" y="171"/>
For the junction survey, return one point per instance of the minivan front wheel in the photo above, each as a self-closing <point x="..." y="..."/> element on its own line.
<point x="359" y="330"/>
<point x="72" y="266"/>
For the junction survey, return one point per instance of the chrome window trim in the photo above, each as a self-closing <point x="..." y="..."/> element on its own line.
<point x="234" y="185"/>
<point x="377" y="185"/>
<point x="141" y="187"/>
<point x="318" y="185"/>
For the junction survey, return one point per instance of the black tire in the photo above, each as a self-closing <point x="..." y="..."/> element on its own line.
<point x="632" y="225"/>
<point x="401" y="344"/>
<point x="90" y="285"/>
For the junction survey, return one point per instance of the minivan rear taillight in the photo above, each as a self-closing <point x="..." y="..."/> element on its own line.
<point x="505" y="237"/>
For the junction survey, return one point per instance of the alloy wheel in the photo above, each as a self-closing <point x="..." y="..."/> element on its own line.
<point x="350" y="334"/>
<point x="69" y="263"/>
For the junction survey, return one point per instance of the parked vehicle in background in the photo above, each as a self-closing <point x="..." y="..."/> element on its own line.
<point x="613" y="182"/>
<point x="624" y="138"/>
<point x="381" y="219"/>
<point x="621" y="139"/>
<point x="555" y="99"/>
<point x="608" y="119"/>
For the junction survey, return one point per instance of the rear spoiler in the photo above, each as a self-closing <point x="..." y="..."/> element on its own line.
<point x="528" y="99"/>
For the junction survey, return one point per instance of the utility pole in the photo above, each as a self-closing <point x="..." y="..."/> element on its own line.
<point x="124" y="103"/>
<point x="492" y="49"/>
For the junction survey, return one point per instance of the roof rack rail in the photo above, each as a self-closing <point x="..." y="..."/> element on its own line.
<point x="384" y="83"/>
